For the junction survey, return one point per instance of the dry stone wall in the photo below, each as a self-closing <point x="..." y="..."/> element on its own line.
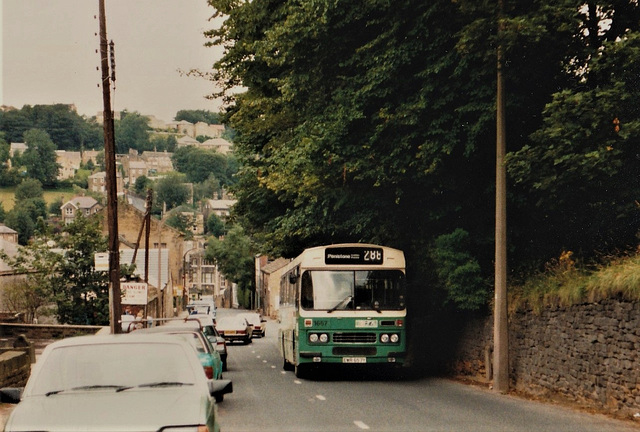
<point x="587" y="353"/>
<point x="15" y="367"/>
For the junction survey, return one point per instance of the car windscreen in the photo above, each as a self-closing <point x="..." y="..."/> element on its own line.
<point x="117" y="365"/>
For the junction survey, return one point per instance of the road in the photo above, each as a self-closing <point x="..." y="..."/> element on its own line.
<point x="266" y="398"/>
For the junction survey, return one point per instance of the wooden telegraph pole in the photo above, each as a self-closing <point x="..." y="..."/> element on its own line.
<point x="500" y="323"/>
<point x="112" y="190"/>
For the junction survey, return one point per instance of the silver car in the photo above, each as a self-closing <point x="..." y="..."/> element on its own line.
<point x="116" y="383"/>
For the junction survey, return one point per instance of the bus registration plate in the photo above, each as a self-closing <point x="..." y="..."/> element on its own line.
<point x="366" y="323"/>
<point x="354" y="359"/>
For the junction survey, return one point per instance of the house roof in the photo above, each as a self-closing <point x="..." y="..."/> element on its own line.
<point x="275" y="265"/>
<point x="221" y="204"/>
<point x="6" y="230"/>
<point x="186" y="139"/>
<point x="83" y="202"/>
<point x="216" y="142"/>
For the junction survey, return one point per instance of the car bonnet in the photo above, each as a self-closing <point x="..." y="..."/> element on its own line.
<point x="146" y="409"/>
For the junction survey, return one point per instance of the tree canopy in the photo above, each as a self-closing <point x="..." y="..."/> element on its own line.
<point x="375" y="122"/>
<point x="40" y="157"/>
<point x="62" y="123"/>
<point x="195" y="116"/>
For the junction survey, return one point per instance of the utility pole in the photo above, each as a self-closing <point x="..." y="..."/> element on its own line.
<point x="500" y="318"/>
<point x="110" y="167"/>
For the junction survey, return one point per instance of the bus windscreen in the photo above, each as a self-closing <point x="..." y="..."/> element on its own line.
<point x="332" y="290"/>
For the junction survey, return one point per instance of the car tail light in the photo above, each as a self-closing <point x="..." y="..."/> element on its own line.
<point x="208" y="371"/>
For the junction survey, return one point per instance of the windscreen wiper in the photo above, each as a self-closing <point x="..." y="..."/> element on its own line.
<point x="88" y="387"/>
<point x="342" y="304"/>
<point x="166" y="384"/>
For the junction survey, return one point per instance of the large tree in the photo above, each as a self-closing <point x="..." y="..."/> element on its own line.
<point x="132" y="132"/>
<point x="38" y="263"/>
<point x="198" y="164"/>
<point x="40" y="157"/>
<point x="171" y="191"/>
<point x="375" y="121"/>
<point x="580" y="172"/>
<point x="234" y="256"/>
<point x="67" y="129"/>
<point x="81" y="293"/>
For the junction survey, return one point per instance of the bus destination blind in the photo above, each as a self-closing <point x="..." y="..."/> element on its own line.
<point x="353" y="255"/>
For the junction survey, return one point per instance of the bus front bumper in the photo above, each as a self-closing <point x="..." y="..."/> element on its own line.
<point x="318" y="357"/>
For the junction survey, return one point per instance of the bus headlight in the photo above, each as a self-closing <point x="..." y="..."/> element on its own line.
<point x="318" y="337"/>
<point x="389" y="338"/>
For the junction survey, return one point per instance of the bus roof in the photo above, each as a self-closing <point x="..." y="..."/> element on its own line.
<point x="314" y="257"/>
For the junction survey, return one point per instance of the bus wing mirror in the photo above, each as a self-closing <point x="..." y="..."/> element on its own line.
<point x="293" y="278"/>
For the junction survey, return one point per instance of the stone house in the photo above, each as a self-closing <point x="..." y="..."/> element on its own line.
<point x="185" y="141"/>
<point x="8" y="234"/>
<point x="220" y="145"/>
<point x="90" y="155"/>
<point x="134" y="170"/>
<point x="79" y="204"/>
<point x="157" y="162"/>
<point x="219" y="207"/>
<point x="161" y="236"/>
<point x="98" y="183"/>
<point x="8" y="276"/>
<point x="268" y="275"/>
<point x="69" y="162"/>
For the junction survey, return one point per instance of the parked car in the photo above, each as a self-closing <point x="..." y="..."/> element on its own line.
<point x="259" y="324"/>
<point x="116" y="383"/>
<point x="207" y="326"/>
<point x="235" y="328"/>
<point x="201" y="307"/>
<point x="209" y="357"/>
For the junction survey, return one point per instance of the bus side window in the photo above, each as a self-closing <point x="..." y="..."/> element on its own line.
<point x="306" y="291"/>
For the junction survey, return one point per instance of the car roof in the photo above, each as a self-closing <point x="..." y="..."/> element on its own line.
<point x="170" y="329"/>
<point x="129" y="338"/>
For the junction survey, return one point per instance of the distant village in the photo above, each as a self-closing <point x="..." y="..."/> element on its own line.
<point x="175" y="265"/>
<point x="149" y="164"/>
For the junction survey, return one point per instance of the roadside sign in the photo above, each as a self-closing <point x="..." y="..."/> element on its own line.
<point x="101" y="261"/>
<point x="134" y="293"/>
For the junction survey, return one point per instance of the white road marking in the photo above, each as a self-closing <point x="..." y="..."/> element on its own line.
<point x="320" y="397"/>
<point x="297" y="382"/>
<point x="361" y="425"/>
<point x="273" y="366"/>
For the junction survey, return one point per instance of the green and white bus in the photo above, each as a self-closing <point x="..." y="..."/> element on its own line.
<point x="343" y="303"/>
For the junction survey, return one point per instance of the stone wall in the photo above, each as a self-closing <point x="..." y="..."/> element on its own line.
<point x="587" y="353"/>
<point x="44" y="331"/>
<point x="15" y="367"/>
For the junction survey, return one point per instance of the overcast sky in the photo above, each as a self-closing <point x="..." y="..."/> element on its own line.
<point x="48" y="53"/>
